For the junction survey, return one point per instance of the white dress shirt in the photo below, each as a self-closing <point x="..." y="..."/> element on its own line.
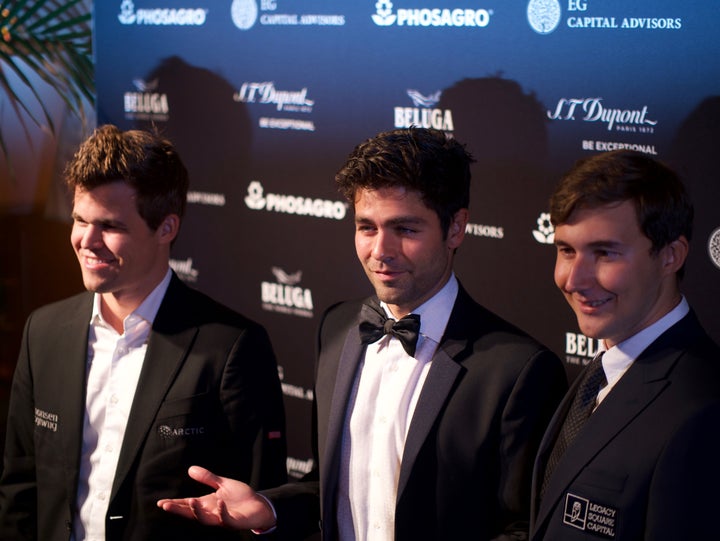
<point x="385" y="393"/>
<point x="620" y="357"/>
<point x="114" y="365"/>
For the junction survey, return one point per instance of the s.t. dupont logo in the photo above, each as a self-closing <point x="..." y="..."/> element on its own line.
<point x="596" y="110"/>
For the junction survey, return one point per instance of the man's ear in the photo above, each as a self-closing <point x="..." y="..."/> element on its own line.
<point x="674" y="254"/>
<point x="169" y="228"/>
<point x="456" y="230"/>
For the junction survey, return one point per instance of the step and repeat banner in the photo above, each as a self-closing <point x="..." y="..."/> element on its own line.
<point x="266" y="98"/>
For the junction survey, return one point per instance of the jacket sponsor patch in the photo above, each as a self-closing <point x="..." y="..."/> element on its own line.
<point x="169" y="432"/>
<point x="47" y="420"/>
<point x="589" y="516"/>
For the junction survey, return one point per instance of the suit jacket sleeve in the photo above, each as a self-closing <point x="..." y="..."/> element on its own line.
<point x="18" y="488"/>
<point x="252" y="400"/>
<point x="533" y="399"/>
<point x="684" y="488"/>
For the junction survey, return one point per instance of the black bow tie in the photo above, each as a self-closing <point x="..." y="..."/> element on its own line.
<point x="374" y="324"/>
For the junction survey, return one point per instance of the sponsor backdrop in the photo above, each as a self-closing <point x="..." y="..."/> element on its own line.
<point x="266" y="98"/>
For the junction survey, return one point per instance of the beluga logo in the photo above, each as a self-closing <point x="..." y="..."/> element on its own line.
<point x="424" y="114"/>
<point x="284" y="295"/>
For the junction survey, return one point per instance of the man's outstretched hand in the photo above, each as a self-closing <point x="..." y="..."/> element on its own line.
<point x="233" y="504"/>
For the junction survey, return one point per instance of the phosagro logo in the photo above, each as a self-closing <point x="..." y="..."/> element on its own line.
<point x="285" y="296"/>
<point x="160" y="16"/>
<point x="545" y="232"/>
<point x="256" y="199"/>
<point x="423" y="114"/>
<point x="458" y="17"/>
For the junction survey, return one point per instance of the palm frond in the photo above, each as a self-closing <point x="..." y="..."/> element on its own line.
<point x="52" y="39"/>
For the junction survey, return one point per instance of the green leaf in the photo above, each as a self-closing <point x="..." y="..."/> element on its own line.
<point x="53" y="39"/>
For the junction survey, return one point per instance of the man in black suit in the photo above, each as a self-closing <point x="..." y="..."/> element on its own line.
<point x="417" y="438"/>
<point x="117" y="391"/>
<point x="641" y="461"/>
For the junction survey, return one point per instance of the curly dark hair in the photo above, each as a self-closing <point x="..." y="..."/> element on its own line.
<point x="420" y="159"/>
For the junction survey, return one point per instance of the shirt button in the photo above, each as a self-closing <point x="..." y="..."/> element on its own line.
<point x="114" y="399"/>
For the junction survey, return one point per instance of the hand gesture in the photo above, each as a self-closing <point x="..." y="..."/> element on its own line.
<point x="233" y="504"/>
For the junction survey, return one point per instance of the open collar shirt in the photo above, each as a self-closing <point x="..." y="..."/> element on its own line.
<point x="114" y="364"/>
<point x="620" y="357"/>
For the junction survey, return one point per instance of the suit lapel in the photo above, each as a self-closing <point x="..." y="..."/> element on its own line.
<point x="349" y="360"/>
<point x="438" y="385"/>
<point x="636" y="390"/>
<point x="73" y="342"/>
<point x="439" y="382"/>
<point x="168" y="347"/>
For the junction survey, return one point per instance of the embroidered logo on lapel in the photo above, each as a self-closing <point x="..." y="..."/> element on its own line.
<point x="167" y="432"/>
<point x="589" y="516"/>
<point x="47" y="420"/>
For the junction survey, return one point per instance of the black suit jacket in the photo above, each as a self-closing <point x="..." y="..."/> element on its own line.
<point x="467" y="462"/>
<point x="645" y="465"/>
<point x="208" y="394"/>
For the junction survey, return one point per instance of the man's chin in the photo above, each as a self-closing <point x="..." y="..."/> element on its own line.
<point x="96" y="287"/>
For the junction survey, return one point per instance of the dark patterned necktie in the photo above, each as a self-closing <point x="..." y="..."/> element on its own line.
<point x="374" y="324"/>
<point x="579" y="412"/>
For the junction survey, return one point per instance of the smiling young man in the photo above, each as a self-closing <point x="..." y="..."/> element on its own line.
<point x="429" y="408"/>
<point x="644" y="463"/>
<point x="117" y="391"/>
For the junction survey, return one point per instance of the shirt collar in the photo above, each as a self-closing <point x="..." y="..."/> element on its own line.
<point x="618" y="357"/>
<point x="147" y="310"/>
<point x="435" y="312"/>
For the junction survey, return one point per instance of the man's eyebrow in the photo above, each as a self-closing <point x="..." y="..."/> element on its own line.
<point x="398" y="220"/>
<point x="107" y="222"/>
<point x="595" y="244"/>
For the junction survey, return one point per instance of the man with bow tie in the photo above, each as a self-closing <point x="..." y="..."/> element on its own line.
<point x="428" y="407"/>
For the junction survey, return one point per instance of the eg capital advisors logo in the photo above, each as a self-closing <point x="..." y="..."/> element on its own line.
<point x="714" y="247"/>
<point x="244" y="13"/>
<point x="544" y="15"/>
